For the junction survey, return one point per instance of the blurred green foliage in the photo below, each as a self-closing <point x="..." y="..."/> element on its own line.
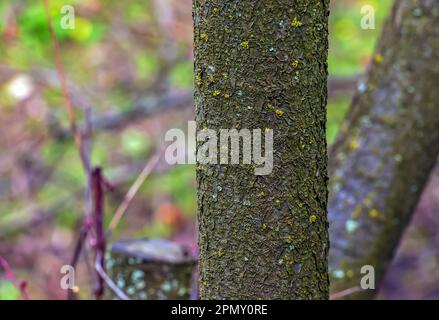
<point x="8" y="291"/>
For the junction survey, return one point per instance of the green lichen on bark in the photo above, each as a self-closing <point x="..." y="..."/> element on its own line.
<point x="258" y="65"/>
<point x="388" y="146"/>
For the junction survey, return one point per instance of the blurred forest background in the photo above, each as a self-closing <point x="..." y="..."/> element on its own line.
<point x="130" y="65"/>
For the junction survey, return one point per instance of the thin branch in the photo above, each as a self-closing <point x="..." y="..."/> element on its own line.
<point x="149" y="167"/>
<point x="119" y="293"/>
<point x="60" y="70"/>
<point x="83" y="233"/>
<point x="344" y="293"/>
<point x="98" y="200"/>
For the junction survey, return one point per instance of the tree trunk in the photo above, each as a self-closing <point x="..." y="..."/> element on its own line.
<point x="263" y="65"/>
<point x="387" y="147"/>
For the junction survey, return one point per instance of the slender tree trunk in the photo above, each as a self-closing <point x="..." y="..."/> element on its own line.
<point x="263" y="65"/>
<point x="387" y="148"/>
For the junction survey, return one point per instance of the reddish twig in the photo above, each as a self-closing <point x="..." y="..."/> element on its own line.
<point x="9" y="274"/>
<point x="83" y="233"/>
<point x="60" y="71"/>
<point x="98" y="200"/>
<point x="99" y="185"/>
<point x="80" y="139"/>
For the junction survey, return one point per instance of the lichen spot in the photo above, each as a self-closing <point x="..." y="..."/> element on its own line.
<point x="204" y="37"/>
<point x="312" y="218"/>
<point x="354" y="144"/>
<point x="244" y="44"/>
<point x="200" y="168"/>
<point x="373" y="213"/>
<point x="198" y="79"/>
<point x="295" y="63"/>
<point x="339" y="274"/>
<point x="351" y="225"/>
<point x="356" y="213"/>
<point x="280" y="113"/>
<point x="215" y="10"/>
<point x="227" y="95"/>
<point x="216" y="93"/>
<point x="296" y="23"/>
<point x="378" y="58"/>
<point x="264" y="226"/>
<point x="270" y="106"/>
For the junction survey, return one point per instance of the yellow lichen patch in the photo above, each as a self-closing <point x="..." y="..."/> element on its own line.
<point x="215" y="10"/>
<point x="241" y="275"/>
<point x="354" y="144"/>
<point x="368" y="201"/>
<point x="312" y="218"/>
<point x="244" y="44"/>
<point x="295" y="63"/>
<point x="378" y="58"/>
<point x="356" y="212"/>
<point x="216" y="93"/>
<point x="198" y="79"/>
<point x="270" y="106"/>
<point x="219" y="253"/>
<point x="373" y="213"/>
<point x="204" y="37"/>
<point x="261" y="194"/>
<point x="264" y="226"/>
<point x="227" y="95"/>
<point x="280" y="113"/>
<point x="290" y="222"/>
<point x="296" y="23"/>
<point x="200" y="168"/>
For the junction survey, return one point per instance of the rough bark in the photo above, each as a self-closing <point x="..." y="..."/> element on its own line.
<point x="151" y="269"/>
<point x="388" y="146"/>
<point x="263" y="64"/>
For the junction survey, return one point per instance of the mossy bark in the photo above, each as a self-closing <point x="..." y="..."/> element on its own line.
<point x="388" y="146"/>
<point x="259" y="65"/>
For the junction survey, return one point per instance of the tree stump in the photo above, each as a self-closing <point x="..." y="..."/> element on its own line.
<point x="151" y="269"/>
